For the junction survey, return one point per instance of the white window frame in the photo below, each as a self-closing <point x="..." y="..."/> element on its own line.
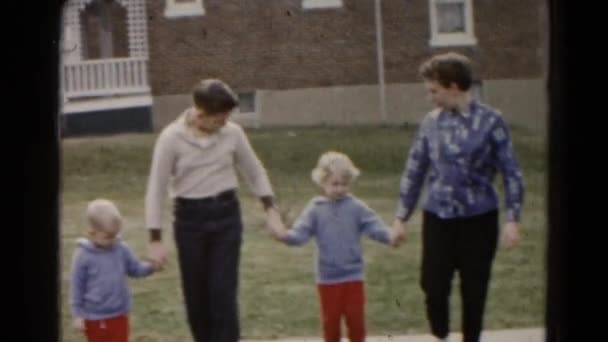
<point x="175" y="9"/>
<point x="315" y="4"/>
<point x="452" y="39"/>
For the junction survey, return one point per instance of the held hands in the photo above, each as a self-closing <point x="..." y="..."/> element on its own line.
<point x="156" y="266"/>
<point x="157" y="254"/>
<point x="275" y="225"/>
<point x="398" y="233"/>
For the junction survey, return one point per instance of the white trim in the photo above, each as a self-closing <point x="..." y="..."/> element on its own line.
<point x="105" y="77"/>
<point x="107" y="103"/>
<point x="180" y="9"/>
<point x="136" y="26"/>
<point x="313" y="4"/>
<point x="108" y="92"/>
<point x="452" y="39"/>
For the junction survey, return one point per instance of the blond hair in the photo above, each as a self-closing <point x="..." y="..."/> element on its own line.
<point x="102" y="214"/>
<point x="334" y="163"/>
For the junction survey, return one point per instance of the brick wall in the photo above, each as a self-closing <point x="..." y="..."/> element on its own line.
<point x="260" y="44"/>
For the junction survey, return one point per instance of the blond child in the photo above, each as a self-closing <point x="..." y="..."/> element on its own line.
<point x="99" y="294"/>
<point x="337" y="219"/>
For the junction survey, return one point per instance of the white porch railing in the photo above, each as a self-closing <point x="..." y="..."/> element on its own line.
<point x="105" y="77"/>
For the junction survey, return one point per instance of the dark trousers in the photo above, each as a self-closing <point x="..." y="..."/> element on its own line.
<point x="469" y="246"/>
<point x="208" y="235"/>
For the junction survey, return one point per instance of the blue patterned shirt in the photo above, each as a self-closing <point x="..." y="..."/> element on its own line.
<point x="461" y="152"/>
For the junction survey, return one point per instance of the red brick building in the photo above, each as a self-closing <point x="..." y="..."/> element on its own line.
<point x="313" y="62"/>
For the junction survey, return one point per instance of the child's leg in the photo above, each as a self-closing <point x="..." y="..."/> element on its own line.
<point x="118" y="328"/>
<point x="96" y="331"/>
<point x="355" y="310"/>
<point x="330" y="297"/>
<point x="115" y="329"/>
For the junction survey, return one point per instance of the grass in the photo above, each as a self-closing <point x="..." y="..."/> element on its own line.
<point x="277" y="293"/>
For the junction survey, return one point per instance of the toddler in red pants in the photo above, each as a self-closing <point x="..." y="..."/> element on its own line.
<point x="337" y="219"/>
<point x="99" y="294"/>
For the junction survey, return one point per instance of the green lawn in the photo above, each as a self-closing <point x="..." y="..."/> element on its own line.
<point x="277" y="292"/>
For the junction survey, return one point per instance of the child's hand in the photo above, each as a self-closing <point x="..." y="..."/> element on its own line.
<point x="398" y="233"/>
<point x="156" y="266"/>
<point x="275" y="224"/>
<point x="158" y="251"/>
<point x="78" y="324"/>
<point x="280" y="233"/>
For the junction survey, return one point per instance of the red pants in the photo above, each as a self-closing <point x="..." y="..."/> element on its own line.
<point x="115" y="329"/>
<point x="343" y="299"/>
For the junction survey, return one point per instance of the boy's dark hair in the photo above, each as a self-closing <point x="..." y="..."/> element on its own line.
<point x="214" y="96"/>
<point x="447" y="68"/>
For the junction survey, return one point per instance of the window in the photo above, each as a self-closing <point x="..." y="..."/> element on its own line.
<point x="247" y="103"/>
<point x="247" y="114"/>
<point x="312" y="4"/>
<point x="452" y="22"/>
<point x="104" y="30"/>
<point x="184" y="8"/>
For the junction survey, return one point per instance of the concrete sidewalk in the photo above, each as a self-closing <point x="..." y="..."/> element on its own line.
<point x="511" y="335"/>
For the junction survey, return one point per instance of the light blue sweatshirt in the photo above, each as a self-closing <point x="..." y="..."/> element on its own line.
<point x="99" y="288"/>
<point x="337" y="226"/>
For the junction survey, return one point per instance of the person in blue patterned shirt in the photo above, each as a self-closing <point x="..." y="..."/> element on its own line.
<point x="457" y="151"/>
